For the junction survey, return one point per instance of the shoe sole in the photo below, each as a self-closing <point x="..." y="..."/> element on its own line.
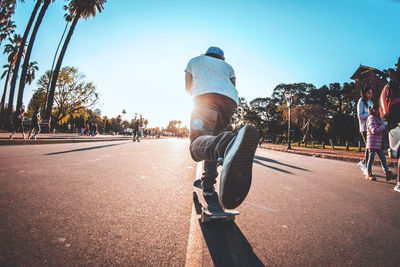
<point x="237" y="169"/>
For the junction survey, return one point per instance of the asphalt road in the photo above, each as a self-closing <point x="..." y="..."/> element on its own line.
<point x="125" y="203"/>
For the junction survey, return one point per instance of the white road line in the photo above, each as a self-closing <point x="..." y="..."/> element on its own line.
<point x="194" y="251"/>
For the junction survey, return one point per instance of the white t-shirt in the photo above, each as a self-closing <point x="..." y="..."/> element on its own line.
<point x="212" y="75"/>
<point x="362" y="114"/>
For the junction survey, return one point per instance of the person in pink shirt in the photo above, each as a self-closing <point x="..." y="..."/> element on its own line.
<point x="375" y="130"/>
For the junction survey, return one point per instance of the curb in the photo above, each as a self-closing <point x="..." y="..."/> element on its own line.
<point x="334" y="157"/>
<point x="56" y="141"/>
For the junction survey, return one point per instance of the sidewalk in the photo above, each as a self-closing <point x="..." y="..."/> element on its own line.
<point x="46" y="138"/>
<point x="350" y="156"/>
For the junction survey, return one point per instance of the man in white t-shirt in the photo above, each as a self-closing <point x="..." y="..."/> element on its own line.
<point x="211" y="82"/>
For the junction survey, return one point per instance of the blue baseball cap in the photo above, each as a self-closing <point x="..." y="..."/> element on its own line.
<point x="215" y="50"/>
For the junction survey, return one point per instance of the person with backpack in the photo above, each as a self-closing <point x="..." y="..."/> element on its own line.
<point x="362" y="113"/>
<point x="375" y="130"/>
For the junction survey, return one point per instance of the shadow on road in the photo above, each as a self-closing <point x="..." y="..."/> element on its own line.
<point x="228" y="246"/>
<point x="274" y="168"/>
<point x="80" y="149"/>
<point x="277" y="162"/>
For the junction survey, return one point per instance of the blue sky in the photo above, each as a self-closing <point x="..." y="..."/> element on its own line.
<point x="136" y="51"/>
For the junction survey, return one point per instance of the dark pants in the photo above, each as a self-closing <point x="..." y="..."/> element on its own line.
<point x="366" y="155"/>
<point x="18" y="125"/>
<point x="211" y="116"/>
<point x="381" y="156"/>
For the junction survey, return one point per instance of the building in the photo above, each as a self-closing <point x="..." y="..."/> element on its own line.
<point x="368" y="75"/>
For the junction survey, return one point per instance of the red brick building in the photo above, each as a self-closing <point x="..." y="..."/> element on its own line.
<point x="368" y="75"/>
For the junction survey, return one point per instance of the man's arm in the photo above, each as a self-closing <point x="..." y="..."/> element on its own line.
<point x="233" y="80"/>
<point x="188" y="82"/>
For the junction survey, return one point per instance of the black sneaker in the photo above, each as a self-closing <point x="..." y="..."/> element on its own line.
<point x="237" y="168"/>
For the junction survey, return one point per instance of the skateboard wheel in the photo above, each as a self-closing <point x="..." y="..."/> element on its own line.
<point x="205" y="218"/>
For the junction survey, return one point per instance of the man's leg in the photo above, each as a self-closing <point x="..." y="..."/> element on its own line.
<point x="209" y="176"/>
<point x="212" y="114"/>
<point x="366" y="154"/>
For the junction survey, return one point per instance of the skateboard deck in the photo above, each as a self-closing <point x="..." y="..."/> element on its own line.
<point x="209" y="207"/>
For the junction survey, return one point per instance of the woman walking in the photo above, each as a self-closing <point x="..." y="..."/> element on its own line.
<point x="18" y="123"/>
<point x="362" y="113"/>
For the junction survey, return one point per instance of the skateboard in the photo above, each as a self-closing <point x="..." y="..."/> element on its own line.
<point x="209" y="207"/>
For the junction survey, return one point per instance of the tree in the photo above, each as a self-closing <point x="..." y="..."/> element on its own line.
<point x="76" y="9"/>
<point x="25" y="65"/>
<point x="172" y="126"/>
<point x="73" y="96"/>
<point x="18" y="60"/>
<point x="7" y="26"/>
<point x="11" y="49"/>
<point x="30" y="75"/>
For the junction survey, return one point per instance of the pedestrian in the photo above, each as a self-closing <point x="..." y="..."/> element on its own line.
<point x="35" y="123"/>
<point x="362" y="113"/>
<point x="135" y="133"/>
<point x="86" y="129"/>
<point x="18" y="123"/>
<point x="394" y="144"/>
<point x="92" y="129"/>
<point x="375" y="130"/>
<point x="69" y="127"/>
<point x="394" y="120"/>
<point x="211" y="82"/>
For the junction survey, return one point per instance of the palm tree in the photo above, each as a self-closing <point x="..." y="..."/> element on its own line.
<point x="18" y="61"/>
<point x="30" y="75"/>
<point x="7" y="26"/>
<point x="52" y="66"/>
<point x="77" y="9"/>
<point x="22" y="80"/>
<point x="12" y="50"/>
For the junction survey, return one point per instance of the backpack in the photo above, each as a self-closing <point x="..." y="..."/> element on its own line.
<point x="389" y="101"/>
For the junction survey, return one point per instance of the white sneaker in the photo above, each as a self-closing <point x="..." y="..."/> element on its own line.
<point x="361" y="165"/>
<point x="397" y="187"/>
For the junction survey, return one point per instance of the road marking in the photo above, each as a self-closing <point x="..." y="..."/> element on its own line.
<point x="261" y="207"/>
<point x="195" y="245"/>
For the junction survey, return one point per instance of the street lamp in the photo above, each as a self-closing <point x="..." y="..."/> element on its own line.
<point x="289" y="98"/>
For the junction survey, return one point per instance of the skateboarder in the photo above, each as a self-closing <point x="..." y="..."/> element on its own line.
<point x="211" y="82"/>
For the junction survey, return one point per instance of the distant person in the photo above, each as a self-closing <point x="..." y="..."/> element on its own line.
<point x="35" y="123"/>
<point x="362" y="113"/>
<point x="69" y="127"/>
<point x="375" y="130"/>
<point x="92" y="129"/>
<point x="86" y="129"/>
<point x="135" y="132"/>
<point x="211" y="82"/>
<point x="18" y="123"/>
